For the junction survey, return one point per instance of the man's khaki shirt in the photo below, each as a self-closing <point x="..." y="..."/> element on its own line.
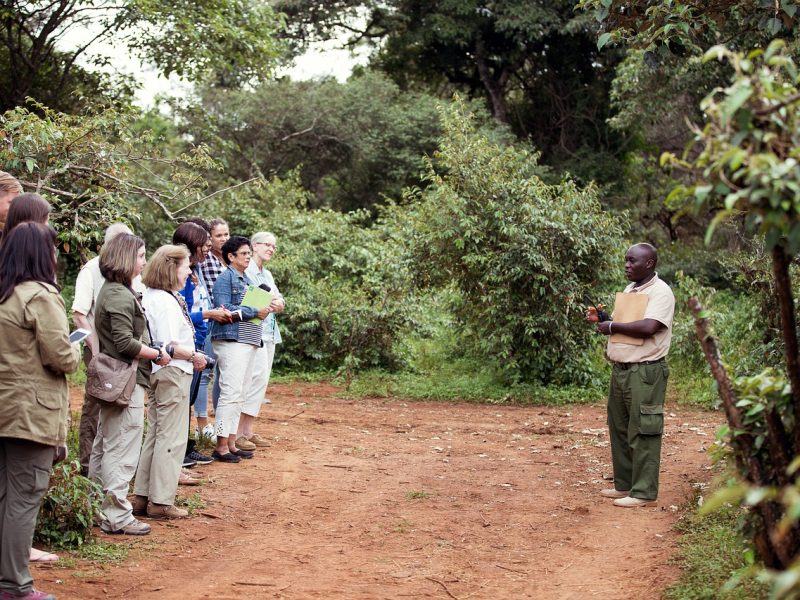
<point x="660" y="307"/>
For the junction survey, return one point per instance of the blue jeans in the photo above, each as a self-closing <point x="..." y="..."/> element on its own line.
<point x="201" y="404"/>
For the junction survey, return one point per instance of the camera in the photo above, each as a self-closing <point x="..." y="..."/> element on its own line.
<point x="211" y="362"/>
<point x="168" y="349"/>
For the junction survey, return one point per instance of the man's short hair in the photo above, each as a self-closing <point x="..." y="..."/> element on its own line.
<point x="9" y="184"/>
<point x="114" y="230"/>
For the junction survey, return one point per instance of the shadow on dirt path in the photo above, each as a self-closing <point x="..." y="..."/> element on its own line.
<point x="392" y="499"/>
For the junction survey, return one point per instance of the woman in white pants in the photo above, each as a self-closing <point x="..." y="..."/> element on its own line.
<point x="236" y="345"/>
<point x="264" y="247"/>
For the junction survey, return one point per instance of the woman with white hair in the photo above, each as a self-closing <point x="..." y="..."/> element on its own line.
<point x="264" y="247"/>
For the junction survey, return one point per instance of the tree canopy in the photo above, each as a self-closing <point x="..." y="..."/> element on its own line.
<point x="44" y="42"/>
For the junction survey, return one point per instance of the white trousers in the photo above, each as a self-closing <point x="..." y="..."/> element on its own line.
<point x="262" y="368"/>
<point x="236" y="362"/>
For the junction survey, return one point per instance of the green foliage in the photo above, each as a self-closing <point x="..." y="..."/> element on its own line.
<point x="69" y="508"/>
<point x="669" y="26"/>
<point x="104" y="553"/>
<point x="712" y="552"/>
<point x="96" y="169"/>
<point x="439" y="364"/>
<point x="501" y="54"/>
<point x="230" y="41"/>
<point x="748" y="160"/>
<point x="523" y="255"/>
<point x="738" y="324"/>
<point x="354" y="143"/>
<point x="191" y="503"/>
<point x="346" y="281"/>
<point x="234" y="41"/>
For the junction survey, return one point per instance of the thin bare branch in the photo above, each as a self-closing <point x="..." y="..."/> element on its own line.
<point x="227" y="189"/>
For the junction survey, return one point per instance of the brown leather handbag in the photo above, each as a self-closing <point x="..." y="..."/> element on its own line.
<point x="111" y="380"/>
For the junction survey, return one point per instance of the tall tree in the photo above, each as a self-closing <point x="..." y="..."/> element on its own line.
<point x="233" y="41"/>
<point x="354" y="143"/>
<point x="535" y="64"/>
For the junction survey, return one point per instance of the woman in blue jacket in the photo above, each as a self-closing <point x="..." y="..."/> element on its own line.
<point x="236" y="345"/>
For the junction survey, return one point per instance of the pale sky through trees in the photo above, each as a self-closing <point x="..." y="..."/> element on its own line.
<point x="323" y="59"/>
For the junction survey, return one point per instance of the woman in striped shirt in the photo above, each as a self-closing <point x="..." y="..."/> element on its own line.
<point x="236" y="345"/>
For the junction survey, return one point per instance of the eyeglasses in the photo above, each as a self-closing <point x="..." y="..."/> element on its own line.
<point x="244" y="253"/>
<point x="267" y="244"/>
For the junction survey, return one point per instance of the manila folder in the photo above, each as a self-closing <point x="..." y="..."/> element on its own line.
<point x="629" y="308"/>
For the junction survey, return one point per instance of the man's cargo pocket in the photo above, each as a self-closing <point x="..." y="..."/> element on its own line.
<point x="651" y="419"/>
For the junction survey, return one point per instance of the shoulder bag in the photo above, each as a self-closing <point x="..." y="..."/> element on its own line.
<point x="111" y="380"/>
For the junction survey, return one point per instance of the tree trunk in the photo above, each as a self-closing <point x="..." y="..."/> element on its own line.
<point x="495" y="87"/>
<point x="783" y="288"/>
<point x="776" y="550"/>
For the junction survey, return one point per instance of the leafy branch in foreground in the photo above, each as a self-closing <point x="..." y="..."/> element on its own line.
<point x="744" y="161"/>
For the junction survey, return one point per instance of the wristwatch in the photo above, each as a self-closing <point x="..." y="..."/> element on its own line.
<point x="160" y="355"/>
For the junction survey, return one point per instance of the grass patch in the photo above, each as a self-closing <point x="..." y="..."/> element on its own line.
<point x="103" y="552"/>
<point x="404" y="526"/>
<point x="288" y="377"/>
<point x="711" y="552"/>
<point x="417" y="495"/>
<point x="191" y="503"/>
<point x="458" y="383"/>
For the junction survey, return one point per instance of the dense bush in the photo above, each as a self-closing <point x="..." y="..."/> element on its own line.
<point x="345" y="279"/>
<point x="523" y="255"/>
<point x="69" y="508"/>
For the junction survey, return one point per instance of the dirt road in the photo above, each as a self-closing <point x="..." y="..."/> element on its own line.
<point x="392" y="499"/>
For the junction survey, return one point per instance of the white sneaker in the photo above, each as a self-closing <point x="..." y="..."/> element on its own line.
<point x="612" y="493"/>
<point x="628" y="502"/>
<point x="267" y="401"/>
<point x="208" y="431"/>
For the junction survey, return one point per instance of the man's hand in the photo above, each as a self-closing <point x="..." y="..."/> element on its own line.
<point x="604" y="327"/>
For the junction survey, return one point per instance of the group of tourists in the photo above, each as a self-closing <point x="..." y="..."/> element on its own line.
<point x="178" y="318"/>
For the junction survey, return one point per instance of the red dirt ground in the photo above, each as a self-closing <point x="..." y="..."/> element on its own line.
<point x="392" y="499"/>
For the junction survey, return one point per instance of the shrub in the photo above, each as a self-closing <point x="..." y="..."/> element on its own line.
<point x="69" y="507"/>
<point x="523" y="255"/>
<point x="344" y="278"/>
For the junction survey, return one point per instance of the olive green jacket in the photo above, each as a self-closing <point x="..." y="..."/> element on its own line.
<point x="35" y="354"/>
<point x="121" y="328"/>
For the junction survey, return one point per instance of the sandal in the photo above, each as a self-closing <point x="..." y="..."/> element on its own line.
<point x="40" y="556"/>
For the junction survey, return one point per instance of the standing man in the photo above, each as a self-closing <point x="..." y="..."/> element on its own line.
<point x="638" y="384"/>
<point x="87" y="289"/>
<point x="9" y="188"/>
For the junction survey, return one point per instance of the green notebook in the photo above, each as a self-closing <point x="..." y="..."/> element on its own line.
<point x="258" y="298"/>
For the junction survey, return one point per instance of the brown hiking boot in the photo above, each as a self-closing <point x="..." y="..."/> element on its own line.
<point x="139" y="504"/>
<point x="165" y="511"/>
<point x="259" y="441"/>
<point x="244" y="444"/>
